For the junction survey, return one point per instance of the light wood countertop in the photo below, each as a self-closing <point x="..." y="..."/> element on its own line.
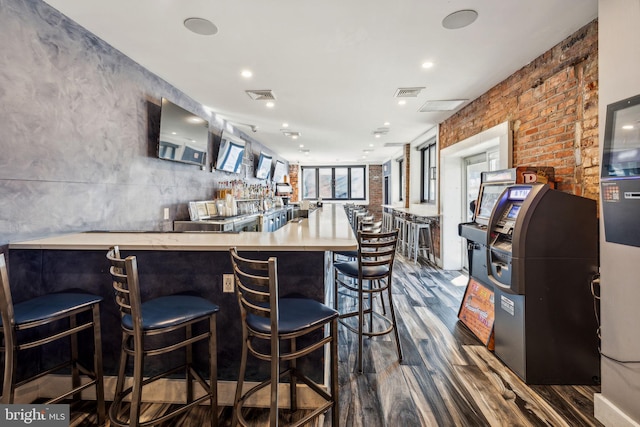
<point x="326" y="229"/>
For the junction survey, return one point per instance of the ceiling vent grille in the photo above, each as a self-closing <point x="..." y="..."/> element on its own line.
<point x="408" y="92"/>
<point x="442" y="105"/>
<point x="261" y="95"/>
<point x="290" y="133"/>
<point x="394" y="144"/>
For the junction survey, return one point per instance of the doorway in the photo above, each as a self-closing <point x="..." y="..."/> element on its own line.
<point x="497" y="141"/>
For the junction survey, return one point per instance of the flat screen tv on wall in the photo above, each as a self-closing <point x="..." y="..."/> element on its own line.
<point x="264" y="166"/>
<point x="184" y="136"/>
<point x="279" y="172"/>
<point x="230" y="154"/>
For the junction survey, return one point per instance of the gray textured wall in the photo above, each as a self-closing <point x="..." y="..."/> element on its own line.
<point x="78" y="126"/>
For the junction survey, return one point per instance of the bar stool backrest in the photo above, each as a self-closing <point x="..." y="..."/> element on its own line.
<point x="256" y="288"/>
<point x="6" y="305"/>
<point x="126" y="286"/>
<point x="376" y="249"/>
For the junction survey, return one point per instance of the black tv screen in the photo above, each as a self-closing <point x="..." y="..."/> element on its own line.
<point x="264" y="166"/>
<point x="230" y="154"/>
<point x="184" y="136"/>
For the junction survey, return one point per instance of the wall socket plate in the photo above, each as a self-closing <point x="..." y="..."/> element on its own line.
<point x="166" y="213"/>
<point x="227" y="283"/>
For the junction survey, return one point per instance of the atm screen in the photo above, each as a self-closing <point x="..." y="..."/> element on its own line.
<point x="489" y="195"/>
<point x="513" y="212"/>
<point x="519" y="193"/>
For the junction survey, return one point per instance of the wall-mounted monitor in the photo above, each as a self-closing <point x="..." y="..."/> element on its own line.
<point x="230" y="154"/>
<point x="184" y="136"/>
<point x="621" y="147"/>
<point x="279" y="171"/>
<point x="264" y="166"/>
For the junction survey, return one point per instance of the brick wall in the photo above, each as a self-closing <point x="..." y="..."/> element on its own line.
<point x="294" y="181"/>
<point x="375" y="191"/>
<point x="552" y="104"/>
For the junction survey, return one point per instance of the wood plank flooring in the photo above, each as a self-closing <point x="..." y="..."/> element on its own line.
<point x="447" y="377"/>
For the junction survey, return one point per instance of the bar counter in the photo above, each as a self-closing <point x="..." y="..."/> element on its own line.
<point x="185" y="261"/>
<point x="326" y="229"/>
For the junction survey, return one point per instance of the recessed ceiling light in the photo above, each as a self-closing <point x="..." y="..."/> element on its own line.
<point x="246" y="74"/>
<point x="370" y="145"/>
<point x="627" y="127"/>
<point x="201" y="26"/>
<point x="377" y="135"/>
<point x="301" y="145"/>
<point x="387" y="124"/>
<point x="427" y="64"/>
<point x="270" y="104"/>
<point x="196" y="120"/>
<point x="174" y="133"/>
<point x="294" y="136"/>
<point x="459" y="19"/>
<point x="285" y="125"/>
<point x="402" y="102"/>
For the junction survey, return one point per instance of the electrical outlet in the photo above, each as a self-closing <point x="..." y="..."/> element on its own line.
<point x="166" y="213"/>
<point x="227" y="283"/>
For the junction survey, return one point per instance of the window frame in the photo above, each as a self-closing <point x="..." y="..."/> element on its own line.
<point x="400" y="178"/>
<point x="333" y="182"/>
<point x="428" y="172"/>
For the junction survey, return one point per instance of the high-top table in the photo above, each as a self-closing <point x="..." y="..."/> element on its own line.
<point x="185" y="261"/>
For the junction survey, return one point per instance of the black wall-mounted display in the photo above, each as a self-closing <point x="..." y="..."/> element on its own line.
<point x="620" y="176"/>
<point x="230" y="154"/>
<point x="184" y="136"/>
<point x="263" y="171"/>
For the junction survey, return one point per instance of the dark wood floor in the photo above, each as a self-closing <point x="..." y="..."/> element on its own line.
<point x="447" y="377"/>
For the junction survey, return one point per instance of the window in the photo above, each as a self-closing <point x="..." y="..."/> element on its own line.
<point x="400" y="177"/>
<point x="334" y="183"/>
<point x="429" y="172"/>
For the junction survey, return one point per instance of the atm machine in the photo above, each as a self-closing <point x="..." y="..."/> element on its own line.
<point x="542" y="252"/>
<point x="492" y="184"/>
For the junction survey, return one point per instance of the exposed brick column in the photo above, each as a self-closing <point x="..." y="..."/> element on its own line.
<point x="375" y="191"/>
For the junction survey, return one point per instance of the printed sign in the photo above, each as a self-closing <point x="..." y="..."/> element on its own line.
<point x="477" y="311"/>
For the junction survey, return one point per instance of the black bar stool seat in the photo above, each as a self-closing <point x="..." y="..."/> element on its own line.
<point x="169" y="311"/>
<point x="295" y="315"/>
<point x="56" y="305"/>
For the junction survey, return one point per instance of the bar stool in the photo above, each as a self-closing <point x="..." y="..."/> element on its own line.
<point x="142" y="324"/>
<point x="373" y="272"/>
<point x="387" y="221"/>
<point x="82" y="312"/>
<point x="266" y="321"/>
<point x="416" y="244"/>
<point x="400" y="223"/>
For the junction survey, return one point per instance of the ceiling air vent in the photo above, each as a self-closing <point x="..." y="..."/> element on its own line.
<point x="442" y="105"/>
<point x="261" y="95"/>
<point x="394" y="144"/>
<point x="408" y="92"/>
<point x="290" y="133"/>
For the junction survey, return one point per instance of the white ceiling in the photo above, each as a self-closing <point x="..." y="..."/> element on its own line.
<point x="333" y="65"/>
